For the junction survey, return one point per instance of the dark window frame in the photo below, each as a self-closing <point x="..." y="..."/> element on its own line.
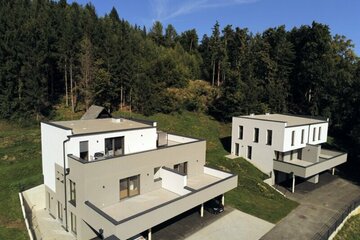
<point x="181" y="168"/>
<point x="269" y="139"/>
<point x="302" y="136"/>
<point x="60" y="211"/>
<point x="249" y="152"/>
<point x="256" y="135"/>
<point x="292" y="138"/>
<point x="112" y="144"/>
<point x="73" y="223"/>
<point x="156" y="170"/>
<point x="237" y="149"/>
<point x="314" y="134"/>
<point x="84" y="154"/>
<point x="72" y="192"/>
<point x="241" y="132"/>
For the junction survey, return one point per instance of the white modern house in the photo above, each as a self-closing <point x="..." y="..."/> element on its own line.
<point x="284" y="146"/>
<point x="114" y="178"/>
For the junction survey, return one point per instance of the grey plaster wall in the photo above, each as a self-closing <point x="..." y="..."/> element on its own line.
<point x="311" y="153"/>
<point x="98" y="181"/>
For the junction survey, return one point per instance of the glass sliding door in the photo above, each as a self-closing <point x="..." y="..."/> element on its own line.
<point x="134" y="186"/>
<point x="129" y="187"/>
<point x="124" y="188"/>
<point x="114" y="146"/>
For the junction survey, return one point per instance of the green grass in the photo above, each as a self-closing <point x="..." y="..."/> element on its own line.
<point x="350" y="230"/>
<point x="20" y="167"/>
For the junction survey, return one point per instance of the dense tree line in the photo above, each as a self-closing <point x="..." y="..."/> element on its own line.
<point x="52" y="52"/>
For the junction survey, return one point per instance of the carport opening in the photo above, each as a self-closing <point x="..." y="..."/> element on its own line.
<point x="183" y="225"/>
<point x="283" y="181"/>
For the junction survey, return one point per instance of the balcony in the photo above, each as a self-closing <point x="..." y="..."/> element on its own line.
<point x="137" y="214"/>
<point x="302" y="168"/>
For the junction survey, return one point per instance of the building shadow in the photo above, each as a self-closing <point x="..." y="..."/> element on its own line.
<point x="226" y="143"/>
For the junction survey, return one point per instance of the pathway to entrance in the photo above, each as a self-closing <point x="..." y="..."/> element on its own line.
<point x="318" y="206"/>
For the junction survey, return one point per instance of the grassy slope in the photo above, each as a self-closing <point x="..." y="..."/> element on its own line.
<point x="350" y="230"/>
<point x="20" y="167"/>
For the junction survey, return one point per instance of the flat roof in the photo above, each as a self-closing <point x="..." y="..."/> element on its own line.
<point x="289" y="119"/>
<point x="101" y="125"/>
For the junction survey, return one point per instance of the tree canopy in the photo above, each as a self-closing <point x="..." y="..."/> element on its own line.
<point x="53" y="52"/>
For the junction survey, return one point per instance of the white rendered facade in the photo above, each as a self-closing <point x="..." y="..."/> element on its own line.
<point x="57" y="142"/>
<point x="270" y="140"/>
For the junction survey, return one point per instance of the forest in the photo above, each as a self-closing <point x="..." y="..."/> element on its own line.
<point x="52" y="52"/>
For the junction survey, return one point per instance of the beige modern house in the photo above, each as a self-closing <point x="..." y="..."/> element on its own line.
<point x="114" y="178"/>
<point x="284" y="146"/>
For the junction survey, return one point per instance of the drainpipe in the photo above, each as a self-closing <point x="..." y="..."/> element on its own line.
<point x="66" y="172"/>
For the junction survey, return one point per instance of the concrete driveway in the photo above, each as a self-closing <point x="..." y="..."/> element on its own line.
<point x="230" y="224"/>
<point x="318" y="207"/>
<point x="234" y="225"/>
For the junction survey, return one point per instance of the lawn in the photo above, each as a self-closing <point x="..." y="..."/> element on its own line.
<point x="20" y="167"/>
<point x="350" y="230"/>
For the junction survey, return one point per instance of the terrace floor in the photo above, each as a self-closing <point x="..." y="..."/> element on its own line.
<point x="134" y="205"/>
<point x="302" y="163"/>
<point x="137" y="204"/>
<point x="201" y="181"/>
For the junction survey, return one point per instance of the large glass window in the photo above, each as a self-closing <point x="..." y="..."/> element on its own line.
<point x="114" y="146"/>
<point x="241" y="130"/>
<point x="129" y="187"/>
<point x="256" y="135"/>
<point x="72" y="192"/>
<point x="269" y="137"/>
<point x="181" y="168"/>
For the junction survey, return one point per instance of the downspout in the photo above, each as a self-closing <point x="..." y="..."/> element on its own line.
<point x="65" y="193"/>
